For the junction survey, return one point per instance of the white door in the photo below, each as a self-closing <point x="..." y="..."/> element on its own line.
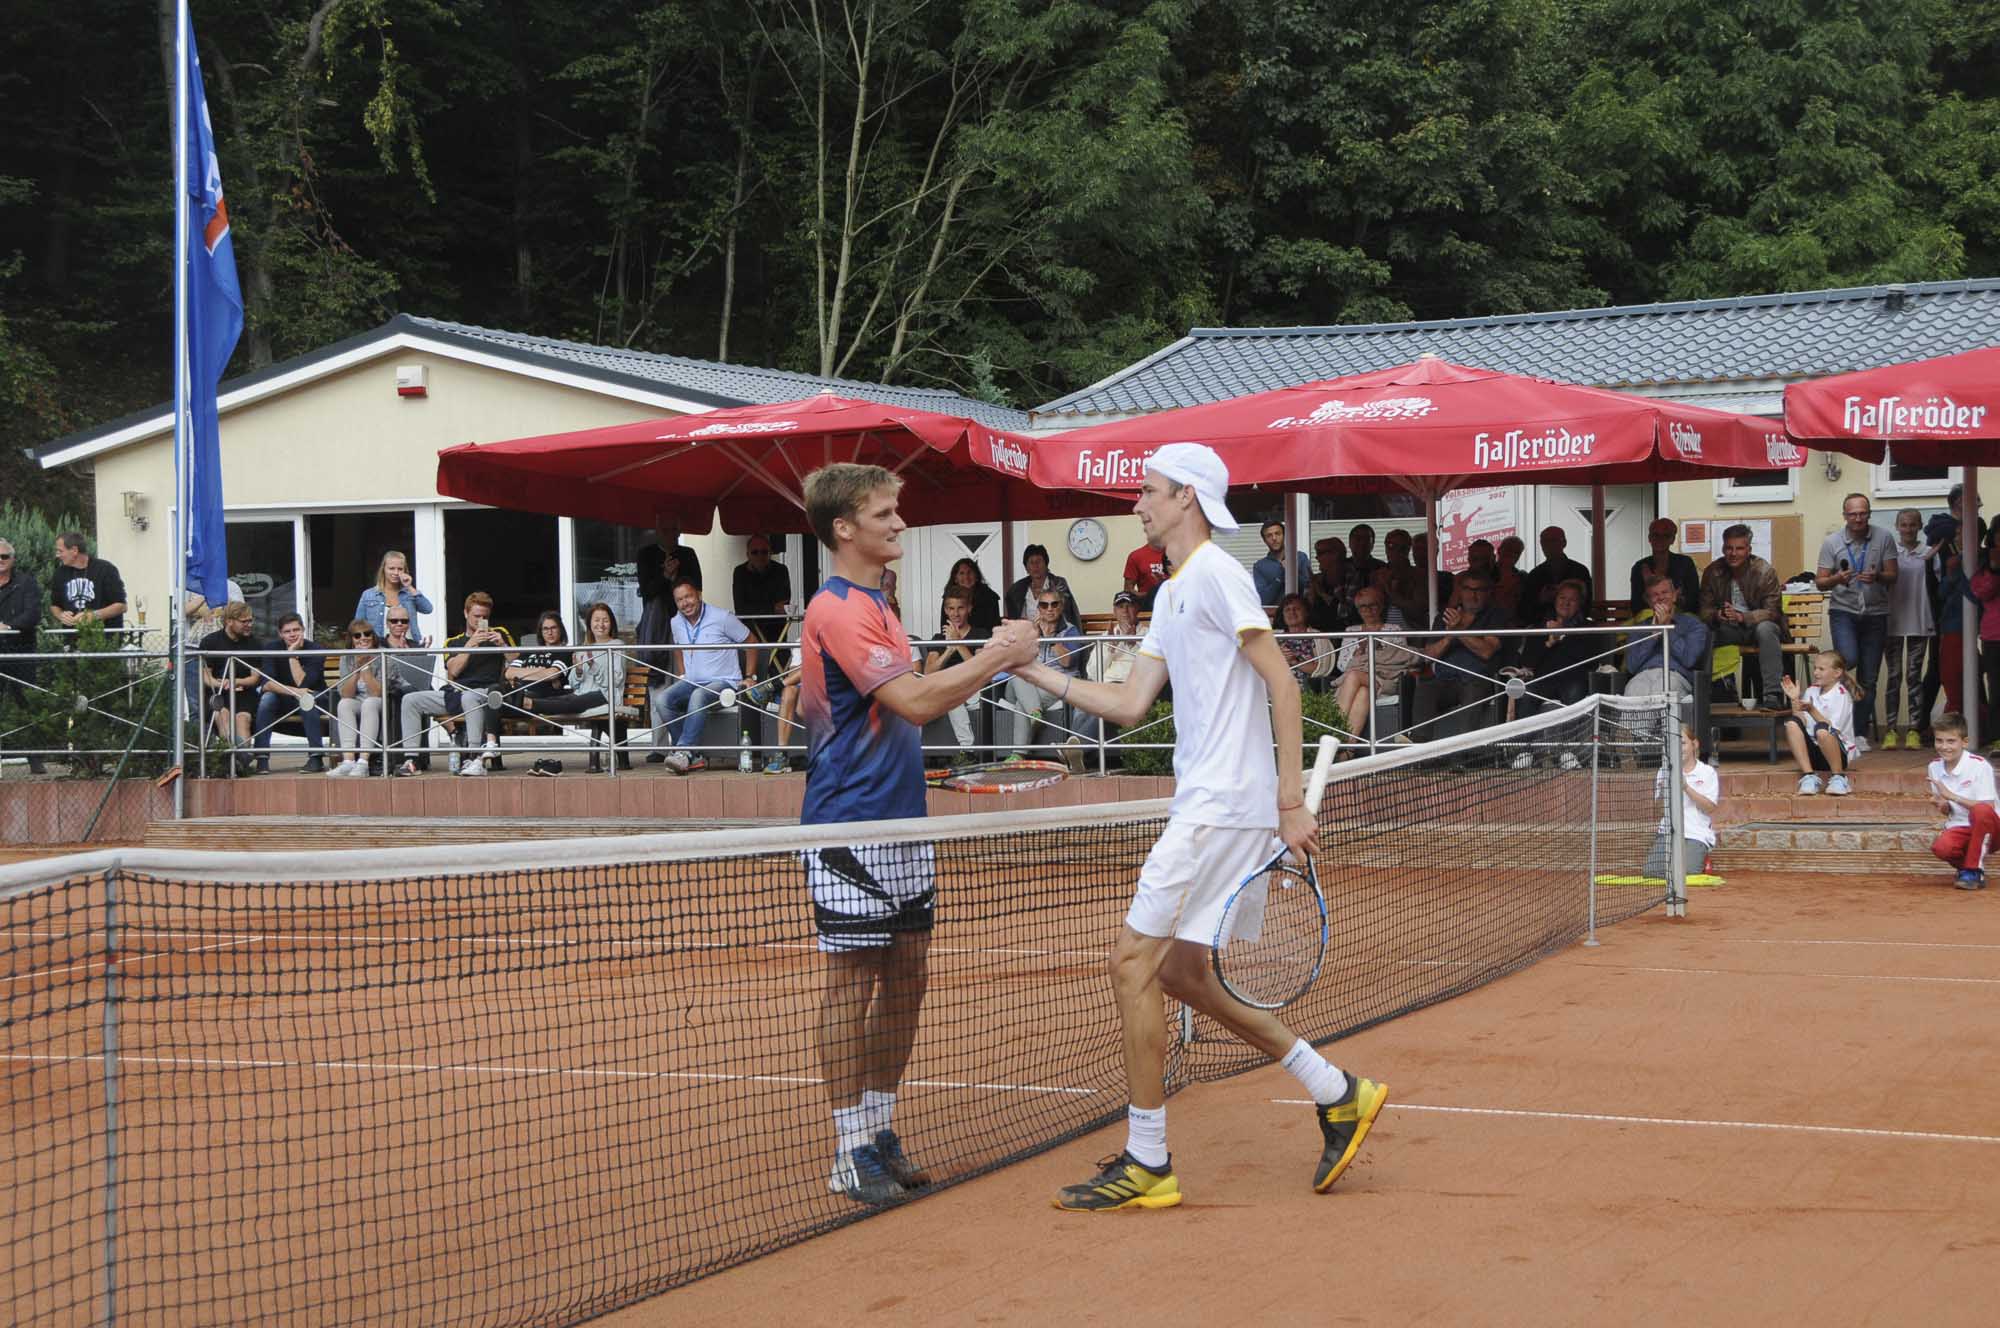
<point x="928" y="555"/>
<point x="1628" y="510"/>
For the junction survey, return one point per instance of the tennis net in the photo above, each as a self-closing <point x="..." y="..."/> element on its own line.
<point x="494" y="1085"/>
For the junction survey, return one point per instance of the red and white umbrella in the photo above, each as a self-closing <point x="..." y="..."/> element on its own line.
<point x="1428" y="427"/>
<point x="748" y="465"/>
<point x="1937" y="412"/>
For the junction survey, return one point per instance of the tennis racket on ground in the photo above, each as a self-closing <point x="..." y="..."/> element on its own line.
<point x="1272" y="938"/>
<point x="999" y="776"/>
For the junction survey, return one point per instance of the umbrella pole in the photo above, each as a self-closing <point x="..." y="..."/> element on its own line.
<point x="1597" y="541"/>
<point x="1968" y="548"/>
<point x="1431" y="554"/>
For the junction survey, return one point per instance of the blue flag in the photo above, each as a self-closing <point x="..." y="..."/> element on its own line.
<point x="212" y="305"/>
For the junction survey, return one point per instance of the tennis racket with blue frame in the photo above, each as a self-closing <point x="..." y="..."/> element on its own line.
<point x="1271" y="940"/>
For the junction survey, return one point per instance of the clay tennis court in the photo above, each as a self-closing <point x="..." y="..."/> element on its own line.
<point x="1777" y="1110"/>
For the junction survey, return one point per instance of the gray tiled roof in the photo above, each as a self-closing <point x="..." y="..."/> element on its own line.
<point x="1761" y="337"/>
<point x="706" y="382"/>
<point x="714" y="382"/>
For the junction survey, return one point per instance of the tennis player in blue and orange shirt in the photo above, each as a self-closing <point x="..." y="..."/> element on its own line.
<point x="865" y="706"/>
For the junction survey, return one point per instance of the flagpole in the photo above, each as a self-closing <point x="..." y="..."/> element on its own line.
<point x="183" y="34"/>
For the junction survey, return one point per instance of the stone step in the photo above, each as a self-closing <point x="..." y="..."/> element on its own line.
<point x="1822" y="810"/>
<point x="1872" y="847"/>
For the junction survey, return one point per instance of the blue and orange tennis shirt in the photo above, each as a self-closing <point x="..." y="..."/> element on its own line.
<point x="864" y="762"/>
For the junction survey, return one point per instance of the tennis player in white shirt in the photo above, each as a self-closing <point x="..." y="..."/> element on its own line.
<point x="1210" y="635"/>
<point x="1962" y="787"/>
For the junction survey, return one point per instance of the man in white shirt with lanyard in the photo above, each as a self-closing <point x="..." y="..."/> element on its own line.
<point x="709" y="664"/>
<point x="1962" y="787"/>
<point x="1211" y="636"/>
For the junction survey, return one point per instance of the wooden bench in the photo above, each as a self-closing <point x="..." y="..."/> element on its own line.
<point x="1805" y="623"/>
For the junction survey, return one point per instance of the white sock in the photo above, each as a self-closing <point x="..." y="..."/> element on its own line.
<point x="850" y="1126"/>
<point x="1146" y="1136"/>
<point x="881" y="1109"/>
<point x="1322" y="1082"/>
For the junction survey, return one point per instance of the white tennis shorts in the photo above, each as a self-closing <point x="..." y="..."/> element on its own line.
<point x="863" y="896"/>
<point x="1189" y="875"/>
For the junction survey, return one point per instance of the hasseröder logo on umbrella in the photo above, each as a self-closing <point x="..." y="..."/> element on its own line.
<point x="1116" y="468"/>
<point x="1009" y="457"/>
<point x="1890" y="415"/>
<point x="1685" y="438"/>
<point x="1517" y="448"/>
<point x="1337" y="411"/>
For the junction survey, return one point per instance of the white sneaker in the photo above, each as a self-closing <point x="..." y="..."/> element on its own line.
<point x="1524" y="760"/>
<point x="338" y="771"/>
<point x="1568" y="761"/>
<point x="678" y="762"/>
<point x="1838" y="786"/>
<point x="353" y="769"/>
<point x="1809" y="784"/>
<point x="492" y="747"/>
<point x="475" y="766"/>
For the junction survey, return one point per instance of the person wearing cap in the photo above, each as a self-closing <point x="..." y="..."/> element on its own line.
<point x="1118" y="656"/>
<point x="1232" y="803"/>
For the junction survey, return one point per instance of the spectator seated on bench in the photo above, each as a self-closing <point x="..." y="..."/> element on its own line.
<point x="294" y="683"/>
<point x="1370" y="678"/>
<point x="1820" y="726"/>
<point x="1461" y="687"/>
<point x="588" y="680"/>
<point x="468" y="676"/>
<point x="1685" y="647"/>
<point x="1032" y="707"/>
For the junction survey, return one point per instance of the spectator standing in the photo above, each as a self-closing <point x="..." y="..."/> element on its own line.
<point x="1268" y="572"/>
<point x="1686" y="646"/>
<point x="1857" y="569"/>
<point x="1330" y="593"/>
<point x="394" y="588"/>
<point x="1912" y="626"/>
<point x="1399" y="580"/>
<point x="86" y="589"/>
<point x="761" y="592"/>
<point x="1985" y="587"/>
<point x="1426" y="563"/>
<point x="20" y="617"/>
<point x="661" y="566"/>
<point x="1035" y="559"/>
<point x="1538" y="588"/>
<point x="1943" y="533"/>
<point x="1145" y="570"/>
<point x="705" y="638"/>
<point x="294" y="681"/>
<point x="965" y="573"/>
<point x="1741" y="604"/>
<point x="1663" y="561"/>
<point x="1361" y="553"/>
<point x="1508" y="577"/>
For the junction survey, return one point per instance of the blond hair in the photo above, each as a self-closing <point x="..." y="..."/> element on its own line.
<point x="382" y="571"/>
<point x="836" y="492"/>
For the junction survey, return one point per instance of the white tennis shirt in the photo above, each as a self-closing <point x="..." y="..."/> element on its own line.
<point x="1972" y="779"/>
<point x="1696" y="824"/>
<point x="1224" y="769"/>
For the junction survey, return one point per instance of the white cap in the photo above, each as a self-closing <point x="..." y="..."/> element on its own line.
<point x="1198" y="467"/>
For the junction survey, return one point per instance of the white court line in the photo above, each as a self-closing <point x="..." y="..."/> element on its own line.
<point x="1904" y="945"/>
<point x="1757" y="973"/>
<point x="123" y="961"/>
<point x="475" y="1069"/>
<point x="1930" y="1136"/>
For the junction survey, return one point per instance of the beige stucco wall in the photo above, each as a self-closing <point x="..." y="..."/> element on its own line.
<point x="345" y="439"/>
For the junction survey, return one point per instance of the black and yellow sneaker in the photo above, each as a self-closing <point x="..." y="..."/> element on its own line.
<point x="897" y="1163"/>
<point x="1344" y="1125"/>
<point x="1124" y="1182"/>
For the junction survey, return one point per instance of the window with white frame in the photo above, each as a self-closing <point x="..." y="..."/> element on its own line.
<point x="1893" y="479"/>
<point x="1777" y="487"/>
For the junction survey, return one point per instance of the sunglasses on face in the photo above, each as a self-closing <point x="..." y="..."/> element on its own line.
<point x="362" y="636"/>
<point x="399" y="622"/>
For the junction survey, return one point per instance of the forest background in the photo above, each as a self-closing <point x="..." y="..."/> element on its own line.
<point x="1010" y="198"/>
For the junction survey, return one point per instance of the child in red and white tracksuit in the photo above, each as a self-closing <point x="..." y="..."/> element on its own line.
<point x="1962" y="786"/>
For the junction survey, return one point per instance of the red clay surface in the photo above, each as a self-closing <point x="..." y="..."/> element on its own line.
<point x="1778" y="1110"/>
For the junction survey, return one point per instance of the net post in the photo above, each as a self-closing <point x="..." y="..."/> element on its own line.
<point x="1670" y="751"/>
<point x="1596" y="748"/>
<point x="111" y="1056"/>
